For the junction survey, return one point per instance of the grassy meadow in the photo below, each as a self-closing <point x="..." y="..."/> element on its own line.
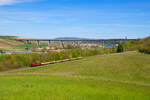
<point x="123" y="76"/>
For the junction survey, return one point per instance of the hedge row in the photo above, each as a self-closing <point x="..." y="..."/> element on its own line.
<point x="25" y="60"/>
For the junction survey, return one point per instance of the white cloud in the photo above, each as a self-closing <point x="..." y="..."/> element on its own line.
<point x="10" y="2"/>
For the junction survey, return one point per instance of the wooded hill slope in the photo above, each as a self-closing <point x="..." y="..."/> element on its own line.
<point x="142" y="45"/>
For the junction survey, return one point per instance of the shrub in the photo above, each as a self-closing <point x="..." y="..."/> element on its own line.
<point x="120" y="48"/>
<point x="145" y="48"/>
<point x="2" y="51"/>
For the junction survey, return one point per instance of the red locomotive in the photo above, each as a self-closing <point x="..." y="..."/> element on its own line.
<point x="35" y="64"/>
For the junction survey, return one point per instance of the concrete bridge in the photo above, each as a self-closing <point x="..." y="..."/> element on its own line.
<point x="76" y="41"/>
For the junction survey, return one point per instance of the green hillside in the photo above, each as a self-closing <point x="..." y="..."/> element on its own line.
<point x="142" y="45"/>
<point x="9" y="43"/>
<point x="145" y="45"/>
<point x="123" y="76"/>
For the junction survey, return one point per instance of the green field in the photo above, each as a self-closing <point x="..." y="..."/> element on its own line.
<point x="123" y="76"/>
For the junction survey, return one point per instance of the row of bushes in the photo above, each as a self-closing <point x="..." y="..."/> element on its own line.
<point x="25" y="60"/>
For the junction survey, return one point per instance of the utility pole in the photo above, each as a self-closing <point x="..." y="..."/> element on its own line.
<point x="103" y="44"/>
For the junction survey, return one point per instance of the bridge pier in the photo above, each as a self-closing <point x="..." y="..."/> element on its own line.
<point x="38" y="43"/>
<point x="49" y="42"/>
<point x="62" y="42"/>
<point x="26" y="43"/>
<point x="74" y="43"/>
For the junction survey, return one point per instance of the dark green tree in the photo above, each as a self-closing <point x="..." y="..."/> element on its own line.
<point x="2" y="51"/>
<point x="120" y="48"/>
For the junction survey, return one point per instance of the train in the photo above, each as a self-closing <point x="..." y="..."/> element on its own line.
<point x="35" y="64"/>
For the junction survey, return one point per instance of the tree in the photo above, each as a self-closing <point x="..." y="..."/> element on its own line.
<point x="34" y="47"/>
<point x="2" y="51"/>
<point x="120" y="48"/>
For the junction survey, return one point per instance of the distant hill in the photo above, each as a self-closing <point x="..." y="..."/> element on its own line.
<point x="72" y="38"/>
<point x="76" y="38"/>
<point x="8" y="37"/>
<point x="9" y="42"/>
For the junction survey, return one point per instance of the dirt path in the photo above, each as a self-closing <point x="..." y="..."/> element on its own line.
<point x="18" y="69"/>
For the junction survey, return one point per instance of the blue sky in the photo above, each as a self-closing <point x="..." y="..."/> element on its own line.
<point x="97" y="19"/>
